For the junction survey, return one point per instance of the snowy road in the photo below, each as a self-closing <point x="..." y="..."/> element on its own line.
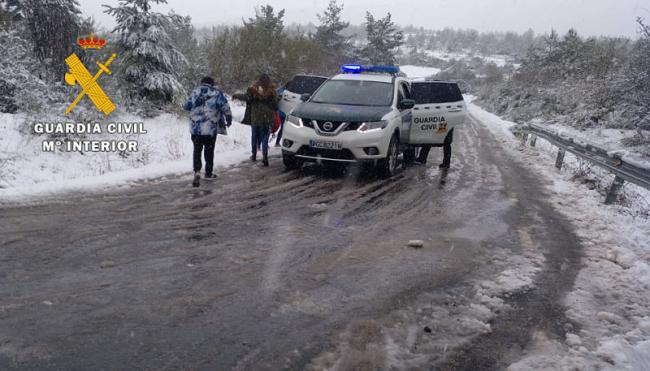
<point x="270" y="270"/>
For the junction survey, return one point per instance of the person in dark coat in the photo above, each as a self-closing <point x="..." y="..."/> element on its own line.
<point x="261" y="104"/>
<point x="208" y="108"/>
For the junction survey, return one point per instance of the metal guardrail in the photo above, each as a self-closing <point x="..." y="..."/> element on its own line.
<point x="623" y="171"/>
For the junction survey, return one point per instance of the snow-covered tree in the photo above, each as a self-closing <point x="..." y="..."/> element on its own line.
<point x="337" y="46"/>
<point x="383" y="40"/>
<point x="236" y="55"/>
<point x="637" y="78"/>
<point x="262" y="43"/>
<point x="182" y="34"/>
<point x="10" y="11"/>
<point x="150" y="60"/>
<point x="53" y="27"/>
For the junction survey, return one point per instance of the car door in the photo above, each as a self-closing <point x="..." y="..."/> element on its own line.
<point x="439" y="108"/>
<point x="404" y="92"/>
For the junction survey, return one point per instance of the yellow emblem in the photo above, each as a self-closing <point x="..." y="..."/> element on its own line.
<point x="79" y="75"/>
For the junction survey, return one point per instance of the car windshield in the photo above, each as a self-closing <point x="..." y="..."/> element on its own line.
<point x="355" y="93"/>
<point x="435" y="92"/>
<point x="305" y="84"/>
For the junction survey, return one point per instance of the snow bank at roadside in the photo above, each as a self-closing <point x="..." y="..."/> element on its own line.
<point x="26" y="171"/>
<point x="610" y="301"/>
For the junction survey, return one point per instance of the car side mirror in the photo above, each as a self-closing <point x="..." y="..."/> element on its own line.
<point x="406" y="104"/>
<point x="305" y="97"/>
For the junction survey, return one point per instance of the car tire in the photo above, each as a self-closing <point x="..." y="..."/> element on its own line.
<point x="291" y="162"/>
<point x="388" y="166"/>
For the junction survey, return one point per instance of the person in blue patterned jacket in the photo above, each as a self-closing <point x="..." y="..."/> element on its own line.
<point x="209" y="114"/>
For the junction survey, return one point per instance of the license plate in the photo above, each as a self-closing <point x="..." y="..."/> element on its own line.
<point x="324" y="144"/>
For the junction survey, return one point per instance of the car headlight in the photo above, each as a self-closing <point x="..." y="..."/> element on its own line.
<point x="295" y="121"/>
<point x="372" y="126"/>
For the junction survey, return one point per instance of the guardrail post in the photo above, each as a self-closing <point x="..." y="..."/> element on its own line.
<point x="559" y="159"/>
<point x="615" y="188"/>
<point x="533" y="140"/>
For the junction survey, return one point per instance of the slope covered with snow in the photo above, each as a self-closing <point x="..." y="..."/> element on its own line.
<point x="609" y="301"/>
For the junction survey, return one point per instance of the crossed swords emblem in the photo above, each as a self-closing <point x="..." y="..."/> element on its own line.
<point x="79" y="74"/>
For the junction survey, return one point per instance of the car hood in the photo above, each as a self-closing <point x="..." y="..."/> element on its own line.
<point x="338" y="112"/>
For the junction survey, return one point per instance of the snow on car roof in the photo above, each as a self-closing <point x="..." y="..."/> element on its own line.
<point x="365" y="77"/>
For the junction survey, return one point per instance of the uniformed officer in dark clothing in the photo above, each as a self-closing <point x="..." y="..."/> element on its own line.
<point x="446" y="151"/>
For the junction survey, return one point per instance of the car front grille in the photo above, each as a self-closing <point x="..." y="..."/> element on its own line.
<point x="344" y="154"/>
<point x="330" y="128"/>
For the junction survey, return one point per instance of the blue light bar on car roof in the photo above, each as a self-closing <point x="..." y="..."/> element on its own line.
<point x="357" y="68"/>
<point x="352" y="68"/>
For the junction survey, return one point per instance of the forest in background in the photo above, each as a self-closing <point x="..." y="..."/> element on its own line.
<point x="584" y="82"/>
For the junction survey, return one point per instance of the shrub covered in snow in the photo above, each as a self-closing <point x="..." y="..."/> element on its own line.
<point x="585" y="83"/>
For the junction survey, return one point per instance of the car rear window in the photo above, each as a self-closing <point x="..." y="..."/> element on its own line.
<point x="435" y="92"/>
<point x="305" y="84"/>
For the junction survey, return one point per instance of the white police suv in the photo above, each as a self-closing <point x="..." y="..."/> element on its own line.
<point x="364" y="114"/>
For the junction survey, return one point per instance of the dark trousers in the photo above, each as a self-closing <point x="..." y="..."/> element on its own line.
<point x="446" y="150"/>
<point x="204" y="144"/>
<point x="279" y="136"/>
<point x="260" y="136"/>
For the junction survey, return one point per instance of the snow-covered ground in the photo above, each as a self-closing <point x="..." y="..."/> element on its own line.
<point x="610" y="301"/>
<point x="166" y="148"/>
<point x="499" y="60"/>
<point x="418" y="72"/>
<point x="610" y="140"/>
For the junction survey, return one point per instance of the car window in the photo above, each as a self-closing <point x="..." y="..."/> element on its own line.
<point x="435" y="92"/>
<point x="355" y="92"/>
<point x="305" y="84"/>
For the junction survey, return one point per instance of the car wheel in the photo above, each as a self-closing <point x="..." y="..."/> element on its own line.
<point x="291" y="162"/>
<point x="387" y="167"/>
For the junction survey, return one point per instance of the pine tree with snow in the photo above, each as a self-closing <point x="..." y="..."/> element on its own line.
<point x="337" y="46"/>
<point x="52" y="26"/>
<point x="383" y="40"/>
<point x="151" y="62"/>
<point x="183" y="36"/>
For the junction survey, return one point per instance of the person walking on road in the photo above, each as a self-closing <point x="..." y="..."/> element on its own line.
<point x="446" y="152"/>
<point x="261" y="104"/>
<point x="209" y="109"/>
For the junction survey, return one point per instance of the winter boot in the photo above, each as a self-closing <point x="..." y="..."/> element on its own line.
<point x="197" y="179"/>
<point x="253" y="157"/>
<point x="210" y="176"/>
<point x="265" y="161"/>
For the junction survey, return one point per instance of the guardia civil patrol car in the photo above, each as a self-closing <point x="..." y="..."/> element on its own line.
<point x="369" y="114"/>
